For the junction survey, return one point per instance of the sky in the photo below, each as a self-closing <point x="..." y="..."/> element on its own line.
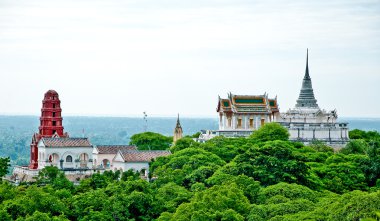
<point x="124" y="57"/>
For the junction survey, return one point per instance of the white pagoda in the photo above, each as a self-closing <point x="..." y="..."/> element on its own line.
<point x="306" y="122"/>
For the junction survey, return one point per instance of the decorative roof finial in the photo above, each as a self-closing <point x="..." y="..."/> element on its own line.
<point x="307" y="76"/>
<point x="178" y="123"/>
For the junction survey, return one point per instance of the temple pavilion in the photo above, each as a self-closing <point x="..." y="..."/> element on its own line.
<point x="307" y="122"/>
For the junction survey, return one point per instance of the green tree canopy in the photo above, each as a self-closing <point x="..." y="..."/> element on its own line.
<point x="270" y="132"/>
<point x="220" y="202"/>
<point x="4" y="166"/>
<point x="151" y="141"/>
<point x="272" y="163"/>
<point x="186" y="167"/>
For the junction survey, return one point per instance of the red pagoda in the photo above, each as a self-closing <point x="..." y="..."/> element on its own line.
<point x="50" y="124"/>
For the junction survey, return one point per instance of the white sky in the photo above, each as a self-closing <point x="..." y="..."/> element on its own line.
<point x="123" y="57"/>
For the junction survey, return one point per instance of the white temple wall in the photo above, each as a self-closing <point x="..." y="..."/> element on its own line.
<point x="320" y="133"/>
<point x="62" y="153"/>
<point x="136" y="166"/>
<point x="98" y="159"/>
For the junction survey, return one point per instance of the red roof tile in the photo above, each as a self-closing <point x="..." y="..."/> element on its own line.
<point x="66" y="142"/>
<point x="143" y="155"/>
<point x="113" y="149"/>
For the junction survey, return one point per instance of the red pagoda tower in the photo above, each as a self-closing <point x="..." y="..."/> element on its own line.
<point x="50" y="124"/>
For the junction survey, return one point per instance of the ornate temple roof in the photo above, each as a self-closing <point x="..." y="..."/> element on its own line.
<point x="142" y="155"/>
<point x="247" y="104"/>
<point x="113" y="149"/>
<point x="273" y="105"/>
<point x="65" y="142"/>
<point x="306" y="98"/>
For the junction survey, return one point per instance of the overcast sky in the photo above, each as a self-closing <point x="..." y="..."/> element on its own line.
<point x="123" y="57"/>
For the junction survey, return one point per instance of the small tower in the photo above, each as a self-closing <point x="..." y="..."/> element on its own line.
<point x="177" y="131"/>
<point x="50" y="124"/>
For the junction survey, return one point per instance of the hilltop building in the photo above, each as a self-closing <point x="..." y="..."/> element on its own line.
<point x="104" y="154"/>
<point x="240" y="115"/>
<point x="137" y="160"/>
<point x="246" y="112"/>
<point x="77" y="157"/>
<point x="64" y="153"/>
<point x="306" y="122"/>
<point x="178" y="133"/>
<point x="50" y="124"/>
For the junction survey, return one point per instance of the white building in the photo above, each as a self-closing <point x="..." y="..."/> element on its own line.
<point x="137" y="160"/>
<point x="65" y="153"/>
<point x="103" y="155"/>
<point x="306" y="122"/>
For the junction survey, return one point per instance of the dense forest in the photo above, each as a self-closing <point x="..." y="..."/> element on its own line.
<point x="263" y="177"/>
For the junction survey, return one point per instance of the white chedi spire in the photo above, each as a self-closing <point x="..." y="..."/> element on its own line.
<point x="306" y="97"/>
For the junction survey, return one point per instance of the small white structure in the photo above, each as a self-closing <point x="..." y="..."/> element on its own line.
<point x="103" y="155"/>
<point x="65" y="153"/>
<point x="137" y="160"/>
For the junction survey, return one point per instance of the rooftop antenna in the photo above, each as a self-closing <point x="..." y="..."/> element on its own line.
<point x="145" y="120"/>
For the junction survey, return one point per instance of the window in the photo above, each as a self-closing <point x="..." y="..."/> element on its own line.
<point x="53" y="105"/>
<point x="54" y="123"/>
<point x="53" y="114"/>
<point x="239" y="123"/>
<point x="69" y="159"/>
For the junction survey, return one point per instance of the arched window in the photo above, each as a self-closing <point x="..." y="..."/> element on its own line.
<point x="106" y="163"/>
<point x="69" y="159"/>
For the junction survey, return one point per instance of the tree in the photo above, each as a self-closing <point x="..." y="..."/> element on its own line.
<point x="225" y="148"/>
<point x="168" y="197"/>
<point x="220" y="202"/>
<point x="270" y="132"/>
<point x="183" y="143"/>
<point x="340" y="173"/>
<point x="186" y="167"/>
<point x="321" y="147"/>
<point x="4" y="166"/>
<point x="52" y="175"/>
<point x="272" y="163"/>
<point x="358" y="146"/>
<point x="151" y="141"/>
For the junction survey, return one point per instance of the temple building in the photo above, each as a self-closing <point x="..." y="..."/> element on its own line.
<point x="239" y="115"/>
<point x="178" y="133"/>
<point x="65" y="153"/>
<point x="50" y="124"/>
<point x="76" y="157"/>
<point x="137" y="160"/>
<point x="104" y="154"/>
<point x="306" y="122"/>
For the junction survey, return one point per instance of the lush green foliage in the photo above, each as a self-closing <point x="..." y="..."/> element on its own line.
<point x="4" y="166"/>
<point x="151" y="141"/>
<point x="271" y="131"/>
<point x="222" y="179"/>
